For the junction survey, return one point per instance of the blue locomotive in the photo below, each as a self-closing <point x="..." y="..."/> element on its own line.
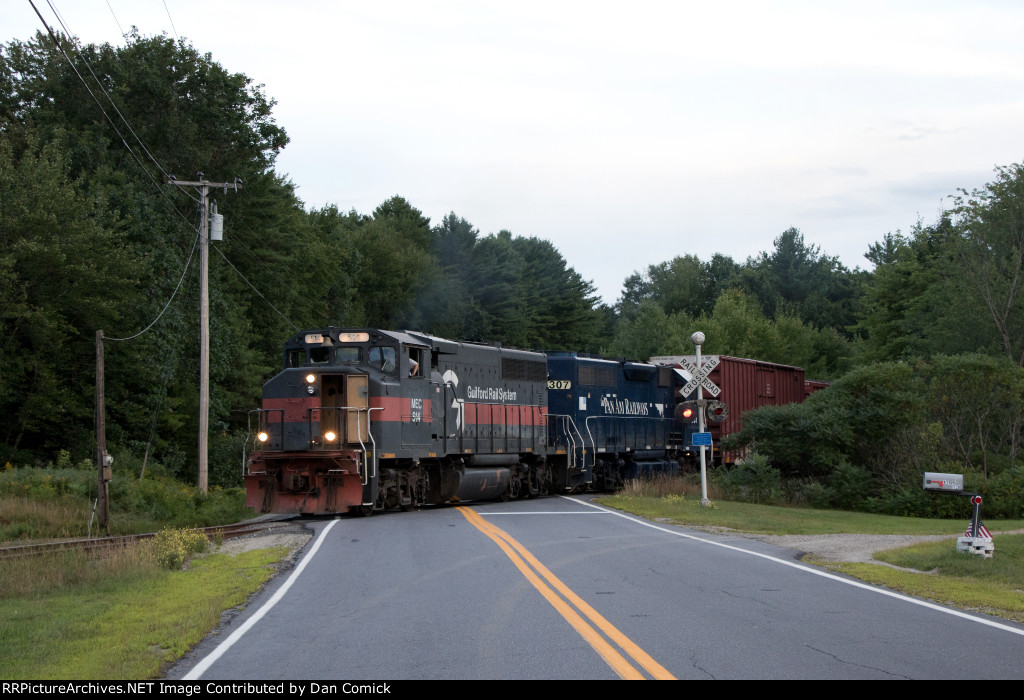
<point x="614" y="419"/>
<point x="364" y="419"/>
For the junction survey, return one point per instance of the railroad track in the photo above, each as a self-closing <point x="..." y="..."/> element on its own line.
<point x="97" y="545"/>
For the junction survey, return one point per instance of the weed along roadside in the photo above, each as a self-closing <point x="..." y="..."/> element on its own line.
<point x="132" y="611"/>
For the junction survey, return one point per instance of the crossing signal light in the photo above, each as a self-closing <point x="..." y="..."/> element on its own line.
<point x="717" y="411"/>
<point x="686" y="412"/>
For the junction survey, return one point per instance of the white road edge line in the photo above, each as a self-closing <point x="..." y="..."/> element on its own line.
<point x="804" y="567"/>
<point x="200" y="668"/>
<point x="495" y="513"/>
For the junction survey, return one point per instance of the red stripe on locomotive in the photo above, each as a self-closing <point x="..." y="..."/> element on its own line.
<point x="293" y="410"/>
<point x="514" y="414"/>
<point x="397" y="409"/>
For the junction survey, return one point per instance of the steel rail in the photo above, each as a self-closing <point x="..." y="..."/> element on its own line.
<point x="101" y="544"/>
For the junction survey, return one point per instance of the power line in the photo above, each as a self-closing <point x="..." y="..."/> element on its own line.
<point x="173" y="28"/>
<point x="140" y="141"/>
<point x="187" y="263"/>
<point x="119" y="28"/>
<point x="286" y="320"/>
<point x="144" y="148"/>
<point x="99" y="84"/>
<point x="160" y="189"/>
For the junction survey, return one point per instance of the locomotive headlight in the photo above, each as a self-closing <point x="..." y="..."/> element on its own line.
<point x="310" y="389"/>
<point x="310" y="378"/>
<point x="262" y="436"/>
<point x="329" y="436"/>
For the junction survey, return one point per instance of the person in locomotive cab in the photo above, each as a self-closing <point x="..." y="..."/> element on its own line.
<point x="415" y="355"/>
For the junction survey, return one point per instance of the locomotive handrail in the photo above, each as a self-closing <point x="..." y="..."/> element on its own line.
<point x="567" y="422"/>
<point x="373" y="443"/>
<point x="593" y="444"/>
<point x="261" y="411"/>
<point x="248" y="428"/>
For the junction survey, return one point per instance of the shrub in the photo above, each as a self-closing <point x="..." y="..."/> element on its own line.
<point x="753" y="481"/>
<point x="173" y="547"/>
<point x="1003" y="494"/>
<point x="849" y="486"/>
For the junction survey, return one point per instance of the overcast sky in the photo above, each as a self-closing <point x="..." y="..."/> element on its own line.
<point x="624" y="133"/>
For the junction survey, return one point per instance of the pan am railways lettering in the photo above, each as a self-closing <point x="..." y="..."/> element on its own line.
<point x="489" y="394"/>
<point x="624" y="407"/>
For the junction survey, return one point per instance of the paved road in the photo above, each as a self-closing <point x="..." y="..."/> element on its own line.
<point x="558" y="588"/>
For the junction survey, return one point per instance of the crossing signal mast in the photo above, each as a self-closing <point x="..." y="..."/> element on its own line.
<point x="701" y="409"/>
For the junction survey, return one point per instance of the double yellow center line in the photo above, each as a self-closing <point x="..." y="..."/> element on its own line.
<point x="533" y="570"/>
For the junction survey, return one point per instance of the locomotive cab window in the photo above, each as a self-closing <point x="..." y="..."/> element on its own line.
<point x="416" y="362"/>
<point x="383" y="358"/>
<point x="319" y="356"/>
<point x="296" y="358"/>
<point x="347" y="355"/>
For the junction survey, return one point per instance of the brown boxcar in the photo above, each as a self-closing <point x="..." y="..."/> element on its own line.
<point x="745" y="384"/>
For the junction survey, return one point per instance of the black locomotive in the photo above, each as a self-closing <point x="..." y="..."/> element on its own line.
<point x="364" y="419"/>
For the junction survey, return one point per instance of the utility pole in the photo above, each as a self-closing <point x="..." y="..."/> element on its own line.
<point x="103" y="460"/>
<point x="204" y="315"/>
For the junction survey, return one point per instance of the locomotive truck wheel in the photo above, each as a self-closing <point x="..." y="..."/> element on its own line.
<point x="532" y="488"/>
<point x="516" y="488"/>
<point x="364" y="511"/>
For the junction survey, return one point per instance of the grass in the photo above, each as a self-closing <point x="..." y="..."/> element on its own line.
<point x="127" y="613"/>
<point x="123" y="621"/>
<point x="785" y="520"/>
<point x="940" y="573"/>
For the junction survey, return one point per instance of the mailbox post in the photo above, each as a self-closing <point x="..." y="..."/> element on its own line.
<point x="954" y="484"/>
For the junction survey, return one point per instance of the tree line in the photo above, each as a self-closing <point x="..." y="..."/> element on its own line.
<point x="92" y="237"/>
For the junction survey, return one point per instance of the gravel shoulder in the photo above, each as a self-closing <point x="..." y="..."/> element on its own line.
<point x="845" y="547"/>
<point x="294" y="537"/>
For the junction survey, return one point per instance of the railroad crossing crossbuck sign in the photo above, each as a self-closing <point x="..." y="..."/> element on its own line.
<point x="700" y="376"/>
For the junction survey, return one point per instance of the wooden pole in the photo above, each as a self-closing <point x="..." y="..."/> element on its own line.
<point x="204" y="318"/>
<point x="103" y="470"/>
<point x="204" y="339"/>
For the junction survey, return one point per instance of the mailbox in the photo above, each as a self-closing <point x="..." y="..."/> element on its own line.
<point x="934" y="481"/>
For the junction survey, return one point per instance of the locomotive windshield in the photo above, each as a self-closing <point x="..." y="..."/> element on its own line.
<point x="319" y="356"/>
<point x="384" y="358"/>
<point x="348" y="355"/>
<point x="325" y="356"/>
